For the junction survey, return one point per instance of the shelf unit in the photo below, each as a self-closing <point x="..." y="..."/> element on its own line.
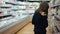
<point x="56" y="26"/>
<point x="5" y="17"/>
<point x="55" y="6"/>
<point x="14" y="13"/>
<point x="38" y="1"/>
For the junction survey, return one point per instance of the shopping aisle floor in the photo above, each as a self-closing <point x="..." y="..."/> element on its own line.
<point x="29" y="30"/>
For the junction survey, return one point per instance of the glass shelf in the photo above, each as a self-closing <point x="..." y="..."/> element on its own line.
<point x="7" y="22"/>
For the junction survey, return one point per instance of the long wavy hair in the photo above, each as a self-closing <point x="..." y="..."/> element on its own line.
<point x="44" y="7"/>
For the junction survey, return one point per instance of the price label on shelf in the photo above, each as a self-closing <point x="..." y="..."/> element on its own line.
<point x="2" y="2"/>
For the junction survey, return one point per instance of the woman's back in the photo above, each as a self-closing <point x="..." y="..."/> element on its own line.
<point x="39" y="21"/>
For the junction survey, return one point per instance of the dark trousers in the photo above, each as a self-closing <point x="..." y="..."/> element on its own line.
<point x="39" y="32"/>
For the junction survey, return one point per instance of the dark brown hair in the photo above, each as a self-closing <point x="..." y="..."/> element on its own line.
<point x="43" y="6"/>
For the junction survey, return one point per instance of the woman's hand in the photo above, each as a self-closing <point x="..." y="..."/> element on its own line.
<point x="43" y="14"/>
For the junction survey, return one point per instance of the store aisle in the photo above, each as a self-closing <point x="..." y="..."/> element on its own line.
<point x="29" y="30"/>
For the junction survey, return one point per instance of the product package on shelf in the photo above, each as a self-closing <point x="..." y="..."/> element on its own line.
<point x="1" y="14"/>
<point x="3" y="23"/>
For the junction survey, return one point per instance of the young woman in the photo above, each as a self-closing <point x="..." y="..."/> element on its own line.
<point x="39" y="19"/>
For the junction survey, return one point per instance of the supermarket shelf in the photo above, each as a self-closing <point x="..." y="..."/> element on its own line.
<point x="38" y="1"/>
<point x="14" y="27"/>
<point x="58" y="28"/>
<point x="11" y="9"/>
<point x="13" y="3"/>
<point x="5" y="6"/>
<point x="4" y="9"/>
<point x="55" y="6"/>
<point x="34" y="1"/>
<point x="57" y="25"/>
<point x="17" y="3"/>
<point x="5" y="16"/>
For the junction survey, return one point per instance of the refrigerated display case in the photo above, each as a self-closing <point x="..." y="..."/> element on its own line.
<point x="10" y="17"/>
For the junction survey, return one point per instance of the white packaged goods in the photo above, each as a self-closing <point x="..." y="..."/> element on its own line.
<point x="53" y="21"/>
<point x="22" y="7"/>
<point x="30" y="11"/>
<point x="2" y="2"/>
<point x="57" y="2"/>
<point x="59" y="10"/>
<point x="8" y="0"/>
<point x="1" y="24"/>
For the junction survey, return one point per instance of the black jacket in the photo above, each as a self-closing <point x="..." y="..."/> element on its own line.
<point x="40" y="22"/>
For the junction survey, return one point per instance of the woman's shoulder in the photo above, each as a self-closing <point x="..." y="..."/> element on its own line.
<point x="36" y="15"/>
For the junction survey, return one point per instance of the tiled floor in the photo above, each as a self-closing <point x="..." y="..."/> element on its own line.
<point x="29" y="30"/>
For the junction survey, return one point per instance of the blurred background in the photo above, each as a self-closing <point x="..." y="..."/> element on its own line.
<point x="16" y="16"/>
